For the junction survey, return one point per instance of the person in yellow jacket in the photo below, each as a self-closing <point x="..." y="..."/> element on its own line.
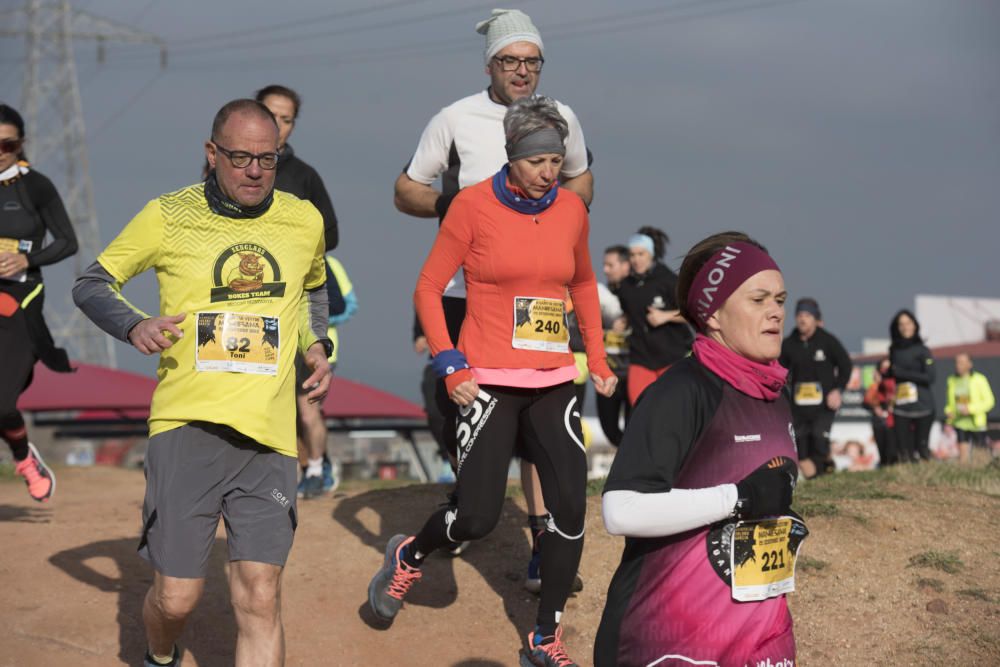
<point x="969" y="400"/>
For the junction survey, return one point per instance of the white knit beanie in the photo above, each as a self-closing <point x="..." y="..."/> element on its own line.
<point x="505" y="27"/>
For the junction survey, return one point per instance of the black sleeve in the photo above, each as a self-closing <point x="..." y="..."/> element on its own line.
<point x="786" y="357"/>
<point x="50" y="208"/>
<point x="670" y="291"/>
<point x="664" y="425"/>
<point x="842" y="362"/>
<point x="929" y="367"/>
<point x="321" y="200"/>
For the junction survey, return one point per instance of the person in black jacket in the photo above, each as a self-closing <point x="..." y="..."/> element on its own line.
<point x="30" y="209"/>
<point x="294" y="175"/>
<point x="818" y="371"/>
<point x="301" y="180"/>
<point x="659" y="335"/>
<point x="912" y="365"/>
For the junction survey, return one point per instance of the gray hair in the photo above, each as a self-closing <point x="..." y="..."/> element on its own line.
<point x="530" y="114"/>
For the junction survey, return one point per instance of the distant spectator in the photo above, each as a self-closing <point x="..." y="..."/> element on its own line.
<point x="818" y="371"/>
<point x="660" y="337"/>
<point x="878" y="399"/>
<point x="853" y="456"/>
<point x="969" y="400"/>
<point x="912" y="365"/>
<point x="610" y="409"/>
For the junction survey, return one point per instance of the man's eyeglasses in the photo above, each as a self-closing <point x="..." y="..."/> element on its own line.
<point x="11" y="145"/>
<point x="242" y="159"/>
<point x="512" y="63"/>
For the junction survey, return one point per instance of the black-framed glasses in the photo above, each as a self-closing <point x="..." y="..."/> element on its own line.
<point x="242" y="159"/>
<point x="513" y="63"/>
<point x="11" y="145"/>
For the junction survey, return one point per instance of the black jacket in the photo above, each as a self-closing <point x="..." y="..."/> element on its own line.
<point x="648" y="346"/>
<point x="30" y="208"/>
<point x="300" y="179"/>
<point x="912" y="362"/>
<point x="820" y="359"/>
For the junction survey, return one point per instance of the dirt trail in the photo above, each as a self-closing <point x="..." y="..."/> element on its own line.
<point x="72" y="585"/>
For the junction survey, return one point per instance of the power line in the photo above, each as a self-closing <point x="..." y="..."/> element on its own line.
<point x="681" y="12"/>
<point x="308" y="36"/>
<point x="123" y="109"/>
<point x="607" y="24"/>
<point x="141" y="14"/>
<point x="766" y="4"/>
<point x="601" y="24"/>
<point x="322" y="18"/>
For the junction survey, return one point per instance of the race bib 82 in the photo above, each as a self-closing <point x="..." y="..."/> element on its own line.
<point x="238" y="343"/>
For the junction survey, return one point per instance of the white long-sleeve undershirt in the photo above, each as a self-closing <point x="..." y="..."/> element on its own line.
<point x="635" y="514"/>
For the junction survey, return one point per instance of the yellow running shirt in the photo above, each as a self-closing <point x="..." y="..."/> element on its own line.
<point x="241" y="283"/>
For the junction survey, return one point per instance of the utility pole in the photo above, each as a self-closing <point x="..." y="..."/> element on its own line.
<point x="53" y="115"/>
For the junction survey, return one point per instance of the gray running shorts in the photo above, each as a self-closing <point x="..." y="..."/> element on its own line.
<point x="201" y="471"/>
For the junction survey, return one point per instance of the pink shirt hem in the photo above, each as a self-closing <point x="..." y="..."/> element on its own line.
<point x="526" y="378"/>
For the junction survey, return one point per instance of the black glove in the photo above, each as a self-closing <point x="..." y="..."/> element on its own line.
<point x="766" y="491"/>
<point x="442" y="203"/>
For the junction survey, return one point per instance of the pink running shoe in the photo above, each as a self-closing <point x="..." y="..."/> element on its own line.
<point x="38" y="476"/>
<point x="391" y="583"/>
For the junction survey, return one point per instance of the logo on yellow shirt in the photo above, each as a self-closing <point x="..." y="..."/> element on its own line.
<point x="246" y="271"/>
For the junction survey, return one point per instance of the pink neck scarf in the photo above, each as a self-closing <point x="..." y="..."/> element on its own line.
<point x="756" y="380"/>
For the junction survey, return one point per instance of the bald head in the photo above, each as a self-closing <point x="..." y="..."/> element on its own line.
<point x="244" y="107"/>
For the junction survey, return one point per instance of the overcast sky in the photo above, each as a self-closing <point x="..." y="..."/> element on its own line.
<point x="859" y="140"/>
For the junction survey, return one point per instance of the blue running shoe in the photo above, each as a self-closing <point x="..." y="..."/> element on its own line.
<point x="313" y="487"/>
<point x="301" y="490"/>
<point x="533" y="582"/>
<point x="546" y="651"/>
<point x="330" y="483"/>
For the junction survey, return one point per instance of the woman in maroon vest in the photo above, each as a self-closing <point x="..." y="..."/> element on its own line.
<point x="703" y="480"/>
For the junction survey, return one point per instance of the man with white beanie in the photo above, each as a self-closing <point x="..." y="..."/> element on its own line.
<point x="464" y="144"/>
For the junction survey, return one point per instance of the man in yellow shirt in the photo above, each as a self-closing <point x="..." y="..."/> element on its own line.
<point x="241" y="284"/>
<point x="970" y="399"/>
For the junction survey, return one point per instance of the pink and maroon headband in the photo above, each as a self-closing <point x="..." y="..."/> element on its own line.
<point x="722" y="275"/>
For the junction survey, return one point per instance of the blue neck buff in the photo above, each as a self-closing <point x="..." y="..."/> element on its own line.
<point x="517" y="202"/>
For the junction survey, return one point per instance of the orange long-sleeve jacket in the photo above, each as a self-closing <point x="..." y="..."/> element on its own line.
<point x="507" y="255"/>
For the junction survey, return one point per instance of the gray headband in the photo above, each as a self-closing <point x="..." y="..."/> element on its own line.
<point x="539" y="142"/>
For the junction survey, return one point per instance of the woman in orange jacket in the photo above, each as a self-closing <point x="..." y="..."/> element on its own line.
<point x="522" y="241"/>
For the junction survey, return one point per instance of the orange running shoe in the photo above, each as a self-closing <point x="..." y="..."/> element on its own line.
<point x="546" y="651"/>
<point x="391" y="583"/>
<point x="38" y="476"/>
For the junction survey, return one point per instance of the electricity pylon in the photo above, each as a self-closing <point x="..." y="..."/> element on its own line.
<point x="53" y="115"/>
